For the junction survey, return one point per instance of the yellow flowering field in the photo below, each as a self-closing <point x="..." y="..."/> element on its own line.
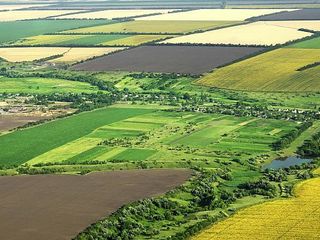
<point x="295" y="218"/>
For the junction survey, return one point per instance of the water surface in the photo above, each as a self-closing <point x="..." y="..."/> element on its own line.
<point x="288" y="162"/>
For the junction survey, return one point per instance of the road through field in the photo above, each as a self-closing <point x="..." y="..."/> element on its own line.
<point x="58" y="207"/>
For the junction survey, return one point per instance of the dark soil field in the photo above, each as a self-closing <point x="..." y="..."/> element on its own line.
<point x="169" y="59"/>
<point x="8" y="122"/>
<point x="57" y="207"/>
<point x="303" y="14"/>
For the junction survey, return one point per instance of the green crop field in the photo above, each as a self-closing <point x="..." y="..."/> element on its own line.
<point x="136" y="40"/>
<point x="39" y="140"/>
<point x="313" y="43"/>
<point x="69" y="40"/>
<point x="22" y="29"/>
<point x="133" y="155"/>
<point x="163" y="138"/>
<point x="154" y="27"/>
<point x="89" y="40"/>
<point x="43" y="86"/>
<point x="272" y="71"/>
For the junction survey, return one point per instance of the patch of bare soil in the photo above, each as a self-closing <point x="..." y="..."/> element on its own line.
<point x="58" y="207"/>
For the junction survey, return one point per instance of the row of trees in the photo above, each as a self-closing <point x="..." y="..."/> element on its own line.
<point x="311" y="147"/>
<point x="288" y="138"/>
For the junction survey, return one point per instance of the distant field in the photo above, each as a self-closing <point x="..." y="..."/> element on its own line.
<point x="310" y="25"/>
<point x="154" y="27"/>
<point x="272" y="71"/>
<point x="43" y="86"/>
<point x="310" y="44"/>
<point x="22" y="54"/>
<point x="294" y="218"/>
<point x="111" y="14"/>
<point x="90" y="40"/>
<point x="170" y="59"/>
<point x="29" y="54"/>
<point x="300" y="14"/>
<point x="136" y="40"/>
<point x="32" y="14"/>
<point x="41" y="139"/>
<point x="261" y="33"/>
<point x="19" y="6"/>
<point x="213" y="15"/>
<point x="81" y="54"/>
<point x="23" y="29"/>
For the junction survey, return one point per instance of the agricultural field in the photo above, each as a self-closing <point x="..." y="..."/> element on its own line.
<point x="30" y="54"/>
<point x="299" y="14"/>
<point x="213" y="15"/>
<point x="115" y="14"/>
<point x="309" y="25"/>
<point x="43" y="86"/>
<point x="90" y="40"/>
<point x="294" y="218"/>
<point x="32" y="14"/>
<point x="74" y="55"/>
<point x="128" y="138"/>
<point x="169" y="59"/>
<point x="277" y="70"/>
<point x="313" y="43"/>
<point x="70" y="129"/>
<point x="58" y="54"/>
<point x="139" y="120"/>
<point x="163" y="27"/>
<point x="136" y="40"/>
<point x="11" y="7"/>
<point x="21" y="29"/>
<point x="262" y="33"/>
<point x="94" y="196"/>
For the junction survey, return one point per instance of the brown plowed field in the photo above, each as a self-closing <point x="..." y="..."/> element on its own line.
<point x="302" y="14"/>
<point x="58" y="207"/>
<point x="169" y="59"/>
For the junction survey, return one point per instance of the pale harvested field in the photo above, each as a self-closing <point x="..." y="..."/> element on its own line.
<point x="30" y="14"/>
<point x="80" y="54"/>
<point x="20" y="6"/>
<point x="311" y="25"/>
<point x="295" y="218"/>
<point x="30" y="53"/>
<point x="214" y="15"/>
<point x="261" y="33"/>
<point x="111" y="14"/>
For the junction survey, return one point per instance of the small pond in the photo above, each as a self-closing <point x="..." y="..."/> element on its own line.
<point x="288" y="162"/>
